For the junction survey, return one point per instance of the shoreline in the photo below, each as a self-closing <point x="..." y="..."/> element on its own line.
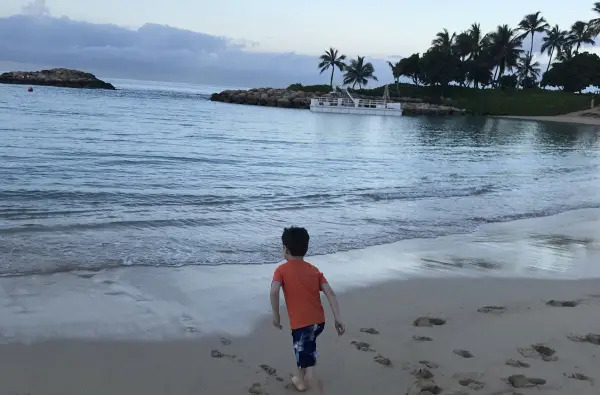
<point x="163" y="303"/>
<point x="493" y="338"/>
<point x="585" y="117"/>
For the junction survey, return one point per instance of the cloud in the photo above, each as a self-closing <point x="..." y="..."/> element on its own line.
<point x="151" y="52"/>
<point x="36" y="8"/>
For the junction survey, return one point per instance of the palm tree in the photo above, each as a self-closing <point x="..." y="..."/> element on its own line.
<point x="505" y="49"/>
<point x="359" y="72"/>
<point x="463" y="46"/>
<point x="580" y="34"/>
<point x="477" y="40"/>
<point x="443" y="40"/>
<point x="527" y="68"/>
<point x="595" y="23"/>
<point x="330" y="59"/>
<point x="531" y="24"/>
<point x="565" y="52"/>
<point x="554" y="41"/>
<point x="397" y="72"/>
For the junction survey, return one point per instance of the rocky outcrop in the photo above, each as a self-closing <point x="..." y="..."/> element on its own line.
<point x="298" y="99"/>
<point x="415" y="108"/>
<point x="267" y="97"/>
<point x="56" y="77"/>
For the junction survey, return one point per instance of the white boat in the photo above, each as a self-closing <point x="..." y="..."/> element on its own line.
<point x="351" y="105"/>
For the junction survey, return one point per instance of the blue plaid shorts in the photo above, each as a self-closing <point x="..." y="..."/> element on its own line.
<point x="305" y="344"/>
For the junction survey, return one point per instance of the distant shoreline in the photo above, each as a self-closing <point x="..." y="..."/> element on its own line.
<point x="567" y="118"/>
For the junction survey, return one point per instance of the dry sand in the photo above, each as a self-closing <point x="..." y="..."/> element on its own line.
<point x="493" y="336"/>
<point x="585" y="117"/>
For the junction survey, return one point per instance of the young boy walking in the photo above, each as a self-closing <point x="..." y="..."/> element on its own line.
<point x="302" y="284"/>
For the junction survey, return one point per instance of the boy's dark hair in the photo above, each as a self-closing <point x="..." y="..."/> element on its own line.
<point x="296" y="240"/>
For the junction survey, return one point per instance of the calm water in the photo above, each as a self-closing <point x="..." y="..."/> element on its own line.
<point x="155" y="174"/>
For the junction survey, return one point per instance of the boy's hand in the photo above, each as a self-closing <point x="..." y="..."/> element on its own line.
<point x="340" y="328"/>
<point x="277" y="324"/>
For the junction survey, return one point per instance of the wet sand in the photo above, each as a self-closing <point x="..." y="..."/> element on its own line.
<point x="585" y="117"/>
<point x="492" y="329"/>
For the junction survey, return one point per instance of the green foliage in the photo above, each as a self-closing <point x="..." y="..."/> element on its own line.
<point x="439" y="67"/>
<point x="508" y="81"/>
<point x="575" y="74"/>
<point x="359" y="72"/>
<point x="310" y="88"/>
<point x="494" y="101"/>
<point x="332" y="59"/>
<point x="410" y="67"/>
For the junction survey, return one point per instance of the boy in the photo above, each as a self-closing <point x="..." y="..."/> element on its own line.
<point x="302" y="284"/>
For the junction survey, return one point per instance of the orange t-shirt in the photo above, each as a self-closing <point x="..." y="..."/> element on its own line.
<point x="301" y="284"/>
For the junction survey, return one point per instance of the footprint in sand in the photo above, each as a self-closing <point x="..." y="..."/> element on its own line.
<point x="422" y="338"/>
<point x="579" y="376"/>
<point x="589" y="338"/>
<point x="427" y="322"/>
<point x="256" y="389"/>
<point x="429" y="364"/>
<point x="429" y="388"/>
<point x="269" y="370"/>
<point x="370" y="331"/>
<point x="380" y="359"/>
<point x="219" y="354"/>
<point x="562" y="303"/>
<point x="470" y="380"/>
<point x="515" y="363"/>
<point x="539" y="351"/>
<point x="521" y="381"/>
<point x="362" y="346"/>
<point x="492" y="309"/>
<point x="463" y="353"/>
<point x="423" y="374"/>
<point x="225" y="341"/>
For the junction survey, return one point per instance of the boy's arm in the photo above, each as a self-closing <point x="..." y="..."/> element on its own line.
<point x="275" y="288"/>
<point x="328" y="291"/>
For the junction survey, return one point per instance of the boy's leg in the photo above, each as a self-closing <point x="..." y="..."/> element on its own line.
<point x="299" y="380"/>
<point x="313" y="381"/>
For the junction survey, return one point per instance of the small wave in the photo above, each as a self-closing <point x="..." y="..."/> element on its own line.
<point x="412" y="194"/>
<point x="530" y="214"/>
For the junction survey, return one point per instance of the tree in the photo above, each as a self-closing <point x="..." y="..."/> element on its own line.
<point x="508" y="81"/>
<point x="410" y="67"/>
<point x="331" y="59"/>
<point x="439" y="67"/>
<point x="531" y="24"/>
<point x="359" y="72"/>
<point x="444" y="40"/>
<point x="565" y="52"/>
<point x="595" y="23"/>
<point x="463" y="46"/>
<point x="478" y="41"/>
<point x="528" y="71"/>
<point x="554" y="41"/>
<point x="396" y="72"/>
<point x="574" y="74"/>
<point x="580" y="34"/>
<point x="504" y="48"/>
<point x="478" y="71"/>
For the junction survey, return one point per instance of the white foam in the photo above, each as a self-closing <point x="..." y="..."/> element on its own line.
<point x="155" y="303"/>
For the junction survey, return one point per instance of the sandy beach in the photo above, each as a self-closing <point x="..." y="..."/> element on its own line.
<point x="399" y="358"/>
<point x="585" y="117"/>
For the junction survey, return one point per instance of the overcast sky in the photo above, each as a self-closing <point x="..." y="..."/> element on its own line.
<point x="381" y="29"/>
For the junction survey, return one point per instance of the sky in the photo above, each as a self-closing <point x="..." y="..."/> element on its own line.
<point x="294" y="30"/>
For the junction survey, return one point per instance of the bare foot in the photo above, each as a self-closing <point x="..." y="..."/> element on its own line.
<point x="298" y="384"/>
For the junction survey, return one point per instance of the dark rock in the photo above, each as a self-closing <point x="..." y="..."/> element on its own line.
<point x="65" y="78"/>
<point x="428" y="322"/>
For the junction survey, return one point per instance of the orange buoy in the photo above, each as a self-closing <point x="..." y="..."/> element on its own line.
<point x="30" y="89"/>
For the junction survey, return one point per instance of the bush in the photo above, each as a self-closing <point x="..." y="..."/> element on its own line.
<point x="310" y="88"/>
<point x="508" y="82"/>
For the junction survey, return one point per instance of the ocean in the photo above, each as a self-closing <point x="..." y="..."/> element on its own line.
<point x="155" y="174"/>
<point x="151" y="213"/>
